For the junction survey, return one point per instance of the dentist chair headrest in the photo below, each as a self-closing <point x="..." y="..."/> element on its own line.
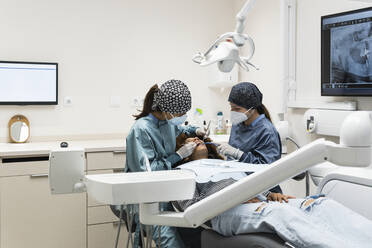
<point x="356" y="130"/>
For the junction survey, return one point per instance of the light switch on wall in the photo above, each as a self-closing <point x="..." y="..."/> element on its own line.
<point x="137" y="102"/>
<point x="115" y="101"/>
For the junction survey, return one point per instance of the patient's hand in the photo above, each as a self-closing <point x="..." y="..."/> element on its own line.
<point x="279" y="197"/>
<point x="253" y="200"/>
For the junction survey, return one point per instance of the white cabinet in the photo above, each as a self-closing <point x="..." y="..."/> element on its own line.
<point x="105" y="160"/>
<point x="31" y="217"/>
<point x="102" y="224"/>
<point x="104" y="235"/>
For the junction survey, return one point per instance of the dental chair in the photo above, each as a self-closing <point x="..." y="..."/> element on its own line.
<point x="352" y="187"/>
<point x="211" y="239"/>
<point x="148" y="189"/>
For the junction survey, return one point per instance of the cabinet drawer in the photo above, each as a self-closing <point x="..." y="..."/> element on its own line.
<point x="24" y="168"/>
<point x="101" y="214"/>
<point x="104" y="235"/>
<point x="32" y="217"/>
<point x="91" y="201"/>
<point x="105" y="160"/>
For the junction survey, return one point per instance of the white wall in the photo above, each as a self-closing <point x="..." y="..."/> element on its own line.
<point x="263" y="25"/>
<point x="110" y="48"/>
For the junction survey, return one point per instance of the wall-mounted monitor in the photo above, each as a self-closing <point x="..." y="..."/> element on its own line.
<point x="346" y="54"/>
<point x="28" y="83"/>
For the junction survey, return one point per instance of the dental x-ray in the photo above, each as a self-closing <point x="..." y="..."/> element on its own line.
<point x="351" y="53"/>
<point x="346" y="53"/>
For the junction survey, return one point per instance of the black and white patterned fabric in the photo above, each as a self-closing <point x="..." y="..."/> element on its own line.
<point x="246" y="95"/>
<point x="203" y="190"/>
<point x="173" y="97"/>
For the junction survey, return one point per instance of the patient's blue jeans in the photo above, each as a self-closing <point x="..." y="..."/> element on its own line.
<point x="320" y="222"/>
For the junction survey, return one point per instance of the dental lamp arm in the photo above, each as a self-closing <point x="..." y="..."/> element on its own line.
<point x="225" y="50"/>
<point x="242" y="15"/>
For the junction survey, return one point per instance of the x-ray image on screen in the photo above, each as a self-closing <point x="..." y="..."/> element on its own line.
<point x="351" y="60"/>
<point x="346" y="48"/>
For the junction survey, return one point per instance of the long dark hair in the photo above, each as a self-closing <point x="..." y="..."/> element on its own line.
<point x="263" y="110"/>
<point x="148" y="102"/>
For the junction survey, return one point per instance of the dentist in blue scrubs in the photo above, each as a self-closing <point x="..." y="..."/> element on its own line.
<point x="253" y="138"/>
<point x="152" y="141"/>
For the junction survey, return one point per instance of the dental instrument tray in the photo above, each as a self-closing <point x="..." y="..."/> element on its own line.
<point x="141" y="187"/>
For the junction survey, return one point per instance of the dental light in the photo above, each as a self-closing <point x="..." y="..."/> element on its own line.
<point x="225" y="50"/>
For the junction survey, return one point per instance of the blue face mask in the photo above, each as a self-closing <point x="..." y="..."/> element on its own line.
<point x="177" y="120"/>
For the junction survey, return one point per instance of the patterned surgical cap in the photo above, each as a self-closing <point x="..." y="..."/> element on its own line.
<point x="173" y="97"/>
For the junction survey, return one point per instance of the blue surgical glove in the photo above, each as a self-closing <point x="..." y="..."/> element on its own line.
<point x="229" y="151"/>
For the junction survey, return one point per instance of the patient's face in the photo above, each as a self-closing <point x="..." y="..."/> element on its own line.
<point x="200" y="151"/>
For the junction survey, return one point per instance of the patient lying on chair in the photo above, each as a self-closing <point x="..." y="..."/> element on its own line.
<point x="315" y="221"/>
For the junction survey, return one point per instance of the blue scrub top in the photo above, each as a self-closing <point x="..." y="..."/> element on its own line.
<point x="259" y="141"/>
<point x="156" y="140"/>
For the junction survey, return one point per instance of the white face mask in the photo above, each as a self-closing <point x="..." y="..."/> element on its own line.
<point x="177" y="120"/>
<point x="239" y="117"/>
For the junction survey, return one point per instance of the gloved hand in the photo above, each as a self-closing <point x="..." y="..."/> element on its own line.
<point x="203" y="132"/>
<point x="186" y="150"/>
<point x="229" y="151"/>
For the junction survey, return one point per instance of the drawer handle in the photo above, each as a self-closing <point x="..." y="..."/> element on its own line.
<point x="118" y="152"/>
<point x="118" y="170"/>
<point x="116" y="224"/>
<point x="39" y="175"/>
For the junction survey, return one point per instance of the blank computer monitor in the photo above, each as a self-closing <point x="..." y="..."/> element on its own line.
<point x="28" y="83"/>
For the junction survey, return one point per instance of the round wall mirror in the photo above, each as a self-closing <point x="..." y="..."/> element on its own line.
<point x="19" y="129"/>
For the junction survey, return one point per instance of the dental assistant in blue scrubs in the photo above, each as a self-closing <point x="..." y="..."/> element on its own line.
<point x="152" y="141"/>
<point x="253" y="138"/>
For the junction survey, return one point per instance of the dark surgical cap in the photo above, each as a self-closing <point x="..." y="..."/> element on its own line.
<point x="173" y="97"/>
<point x="246" y="95"/>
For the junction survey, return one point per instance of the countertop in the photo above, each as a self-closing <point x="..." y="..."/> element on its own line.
<point x="44" y="148"/>
<point x="99" y="145"/>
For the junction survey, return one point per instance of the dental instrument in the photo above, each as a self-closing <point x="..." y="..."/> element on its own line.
<point x="207" y="131"/>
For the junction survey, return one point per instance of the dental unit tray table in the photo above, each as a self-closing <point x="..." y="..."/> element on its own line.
<point x="141" y="187"/>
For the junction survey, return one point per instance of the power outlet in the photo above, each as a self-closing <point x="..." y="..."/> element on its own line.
<point x="67" y="101"/>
